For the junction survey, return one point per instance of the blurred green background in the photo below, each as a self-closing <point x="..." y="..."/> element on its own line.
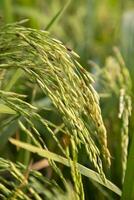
<point x="91" y="28"/>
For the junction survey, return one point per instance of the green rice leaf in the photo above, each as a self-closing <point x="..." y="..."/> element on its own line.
<point x="82" y="169"/>
<point x="6" y="110"/>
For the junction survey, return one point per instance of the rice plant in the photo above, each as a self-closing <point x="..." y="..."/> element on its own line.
<point x="46" y="63"/>
<point x="66" y="133"/>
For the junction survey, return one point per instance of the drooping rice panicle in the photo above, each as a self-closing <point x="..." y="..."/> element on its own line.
<point x="47" y="62"/>
<point x="125" y="108"/>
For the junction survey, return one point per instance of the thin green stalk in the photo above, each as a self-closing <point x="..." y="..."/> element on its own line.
<point x="58" y="15"/>
<point x="127" y="193"/>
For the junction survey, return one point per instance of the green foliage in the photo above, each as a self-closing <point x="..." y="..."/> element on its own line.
<point x="48" y="102"/>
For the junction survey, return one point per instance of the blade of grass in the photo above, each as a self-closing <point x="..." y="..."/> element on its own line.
<point x="6" y="110"/>
<point x="58" y="15"/>
<point x="82" y="169"/>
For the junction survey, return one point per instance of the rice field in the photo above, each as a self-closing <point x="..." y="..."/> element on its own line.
<point x="66" y="100"/>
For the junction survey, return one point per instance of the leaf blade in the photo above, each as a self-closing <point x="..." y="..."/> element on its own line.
<point x="82" y="169"/>
<point x="6" y="110"/>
